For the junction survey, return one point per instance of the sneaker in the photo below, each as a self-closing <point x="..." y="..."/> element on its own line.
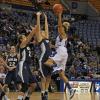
<point x="43" y="97"/>
<point x="56" y="70"/>
<point x="20" y="97"/>
<point x="72" y="92"/>
<point x="27" y="98"/>
<point x="46" y="95"/>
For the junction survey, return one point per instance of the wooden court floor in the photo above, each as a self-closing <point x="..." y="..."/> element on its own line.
<point x="59" y="96"/>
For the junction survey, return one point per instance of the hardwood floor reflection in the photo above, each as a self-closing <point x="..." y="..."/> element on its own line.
<point x="59" y="96"/>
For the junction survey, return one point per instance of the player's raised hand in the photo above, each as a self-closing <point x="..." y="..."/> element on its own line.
<point x="38" y="13"/>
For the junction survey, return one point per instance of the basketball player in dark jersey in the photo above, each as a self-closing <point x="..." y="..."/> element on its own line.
<point x="60" y="58"/>
<point x="25" y="78"/>
<point x="42" y="38"/>
<point x="12" y="61"/>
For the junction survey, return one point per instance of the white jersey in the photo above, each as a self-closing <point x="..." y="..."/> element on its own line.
<point x="61" y="55"/>
<point x="60" y="42"/>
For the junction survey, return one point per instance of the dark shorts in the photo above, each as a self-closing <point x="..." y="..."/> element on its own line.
<point x="27" y="76"/>
<point x="44" y="70"/>
<point x="11" y="76"/>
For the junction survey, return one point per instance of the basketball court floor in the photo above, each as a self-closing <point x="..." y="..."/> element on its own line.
<point x="59" y="96"/>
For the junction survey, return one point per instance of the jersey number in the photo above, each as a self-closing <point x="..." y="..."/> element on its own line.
<point x="11" y="63"/>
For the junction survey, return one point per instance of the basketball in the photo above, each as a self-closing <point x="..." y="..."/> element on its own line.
<point x="57" y="8"/>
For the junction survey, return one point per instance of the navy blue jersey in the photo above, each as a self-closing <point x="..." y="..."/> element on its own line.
<point x="24" y="74"/>
<point x="12" y="60"/>
<point x="45" y="48"/>
<point x="45" y="53"/>
<point x="25" y="54"/>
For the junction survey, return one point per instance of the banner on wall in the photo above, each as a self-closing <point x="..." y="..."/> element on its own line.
<point x="80" y="86"/>
<point x="97" y="86"/>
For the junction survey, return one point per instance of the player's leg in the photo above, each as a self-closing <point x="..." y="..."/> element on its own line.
<point x="29" y="92"/>
<point x="23" y="82"/>
<point x="47" y="74"/>
<point x="67" y="85"/>
<point x="64" y="77"/>
<point x="48" y="80"/>
<point x="43" y="82"/>
<point x="50" y="62"/>
<point x="32" y="84"/>
<point x="14" y="80"/>
<point x="23" y="87"/>
<point x="43" y="79"/>
<point x="8" y="81"/>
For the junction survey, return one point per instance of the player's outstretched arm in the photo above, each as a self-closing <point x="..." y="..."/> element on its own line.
<point x="46" y="27"/>
<point x="60" y="26"/>
<point x="38" y="33"/>
<point x="28" y="38"/>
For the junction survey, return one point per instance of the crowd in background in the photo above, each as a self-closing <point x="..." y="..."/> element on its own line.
<point x="82" y="61"/>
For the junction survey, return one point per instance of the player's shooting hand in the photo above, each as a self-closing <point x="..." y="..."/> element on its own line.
<point x="38" y="13"/>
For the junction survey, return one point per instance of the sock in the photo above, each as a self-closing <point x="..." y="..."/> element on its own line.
<point x="20" y="97"/>
<point x="68" y="85"/>
<point x="46" y="90"/>
<point x="42" y="93"/>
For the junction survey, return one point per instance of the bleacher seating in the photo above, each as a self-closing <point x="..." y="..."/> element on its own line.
<point x="89" y="31"/>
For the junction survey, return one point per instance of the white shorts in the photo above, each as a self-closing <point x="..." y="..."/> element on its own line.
<point x="60" y="58"/>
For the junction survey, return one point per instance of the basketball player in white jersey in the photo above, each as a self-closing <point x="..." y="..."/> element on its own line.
<point x="59" y="59"/>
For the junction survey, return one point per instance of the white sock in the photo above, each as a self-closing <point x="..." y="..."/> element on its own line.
<point x="43" y="92"/>
<point x="46" y="90"/>
<point x="20" y="97"/>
